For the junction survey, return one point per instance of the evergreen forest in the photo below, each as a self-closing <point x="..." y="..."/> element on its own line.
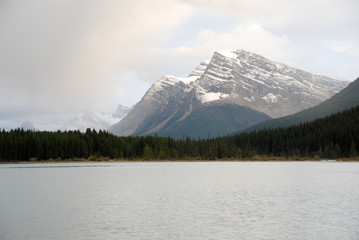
<point x="332" y="137"/>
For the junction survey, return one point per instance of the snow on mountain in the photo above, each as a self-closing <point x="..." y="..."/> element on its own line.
<point x="229" y="54"/>
<point x="231" y="77"/>
<point x="345" y="99"/>
<point x="94" y="119"/>
<point x="200" y="69"/>
<point x="121" y="111"/>
<point x="248" y="79"/>
<point x="210" y="96"/>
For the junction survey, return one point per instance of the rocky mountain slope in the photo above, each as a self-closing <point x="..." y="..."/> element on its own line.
<point x="273" y="88"/>
<point x="233" y="79"/>
<point x="345" y="99"/>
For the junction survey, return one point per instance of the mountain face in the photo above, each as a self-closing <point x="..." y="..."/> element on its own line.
<point x="345" y="99"/>
<point x="245" y="83"/>
<point x="94" y="119"/>
<point x="251" y="80"/>
<point x="212" y="121"/>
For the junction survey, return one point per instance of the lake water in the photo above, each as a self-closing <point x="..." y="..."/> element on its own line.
<point x="180" y="200"/>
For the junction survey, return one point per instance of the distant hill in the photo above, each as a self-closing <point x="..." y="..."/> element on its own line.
<point x="27" y="125"/>
<point x="345" y="99"/>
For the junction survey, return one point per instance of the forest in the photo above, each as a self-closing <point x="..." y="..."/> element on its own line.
<point x="332" y="137"/>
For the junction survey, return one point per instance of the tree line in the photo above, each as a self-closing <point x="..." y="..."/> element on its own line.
<point x="331" y="137"/>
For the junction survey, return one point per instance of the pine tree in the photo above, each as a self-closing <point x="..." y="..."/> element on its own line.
<point x="353" y="151"/>
<point x="147" y="152"/>
<point x="337" y="150"/>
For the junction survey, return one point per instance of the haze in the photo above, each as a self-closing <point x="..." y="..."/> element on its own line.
<point x="60" y="57"/>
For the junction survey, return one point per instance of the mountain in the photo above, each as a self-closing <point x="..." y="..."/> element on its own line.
<point x="205" y="121"/>
<point x="345" y="99"/>
<point x="27" y="125"/>
<point x="248" y="86"/>
<point x="273" y="88"/>
<point x="121" y="111"/>
<point x="94" y="119"/>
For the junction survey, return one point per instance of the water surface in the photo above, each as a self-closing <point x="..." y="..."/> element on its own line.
<point x="180" y="200"/>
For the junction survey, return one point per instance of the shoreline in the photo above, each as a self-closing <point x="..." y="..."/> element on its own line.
<point x="274" y="159"/>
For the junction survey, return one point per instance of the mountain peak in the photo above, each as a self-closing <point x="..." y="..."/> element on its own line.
<point x="228" y="53"/>
<point x="235" y="78"/>
<point x="200" y="69"/>
<point x="239" y="54"/>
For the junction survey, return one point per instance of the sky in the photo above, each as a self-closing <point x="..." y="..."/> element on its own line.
<point x="60" y="57"/>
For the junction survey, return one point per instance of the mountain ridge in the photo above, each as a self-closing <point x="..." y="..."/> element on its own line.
<point x="345" y="99"/>
<point x="230" y="78"/>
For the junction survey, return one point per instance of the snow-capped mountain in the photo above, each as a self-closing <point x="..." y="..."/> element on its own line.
<point x="251" y="80"/>
<point x="240" y="82"/>
<point x="94" y="119"/>
<point x="121" y="111"/>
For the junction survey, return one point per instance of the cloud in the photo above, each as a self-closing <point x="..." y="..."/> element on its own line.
<point x="70" y="48"/>
<point x="251" y="37"/>
<point x="349" y="49"/>
<point x="231" y="7"/>
<point x="62" y="56"/>
<point x="307" y="15"/>
<point x="302" y="34"/>
<point x="65" y="52"/>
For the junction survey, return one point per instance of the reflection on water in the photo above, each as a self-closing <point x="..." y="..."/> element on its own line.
<point x="180" y="200"/>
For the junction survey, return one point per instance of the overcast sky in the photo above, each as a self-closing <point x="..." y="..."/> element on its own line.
<point x="60" y="57"/>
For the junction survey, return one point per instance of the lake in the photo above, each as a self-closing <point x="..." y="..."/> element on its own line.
<point x="180" y="200"/>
